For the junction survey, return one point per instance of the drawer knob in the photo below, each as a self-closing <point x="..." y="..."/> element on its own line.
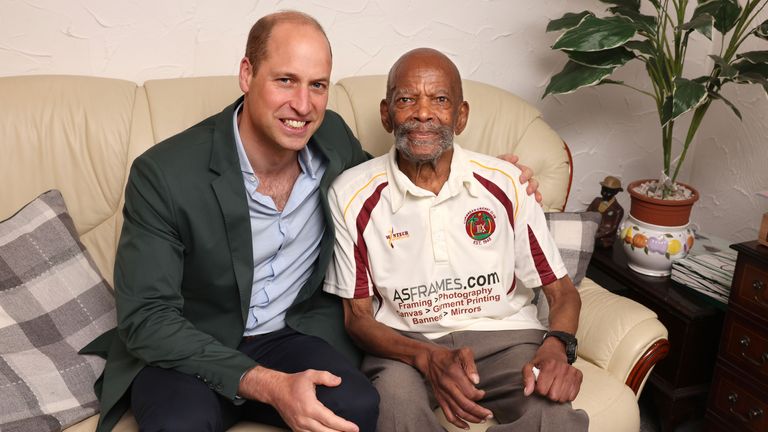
<point x="744" y="341"/>
<point x="751" y="414"/>
<point x="758" y="285"/>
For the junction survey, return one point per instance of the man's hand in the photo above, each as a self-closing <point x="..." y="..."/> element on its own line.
<point x="525" y="176"/>
<point x="558" y="381"/>
<point x="294" y="398"/>
<point x="453" y="376"/>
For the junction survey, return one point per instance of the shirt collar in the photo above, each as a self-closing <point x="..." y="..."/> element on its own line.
<point x="459" y="178"/>
<point x="309" y="159"/>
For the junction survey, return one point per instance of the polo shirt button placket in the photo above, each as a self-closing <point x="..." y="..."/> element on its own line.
<point x="437" y="222"/>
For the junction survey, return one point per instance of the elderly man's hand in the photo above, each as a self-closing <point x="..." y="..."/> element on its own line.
<point x="453" y="377"/>
<point x="557" y="381"/>
<point x="525" y="176"/>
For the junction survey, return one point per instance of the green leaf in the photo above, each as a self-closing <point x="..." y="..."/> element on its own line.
<point x="643" y="47"/>
<point x="755" y="73"/>
<point x="704" y="79"/>
<point x="725" y="12"/>
<point x="574" y="76"/>
<point x="567" y="21"/>
<point x="688" y="95"/>
<point x="754" y="56"/>
<point x="609" y="81"/>
<point x="730" y="104"/>
<point x="701" y="23"/>
<point x="610" y="58"/>
<point x="596" y="34"/>
<point x="744" y="66"/>
<point x="761" y="31"/>
<point x="631" y="4"/>
<point x="726" y="70"/>
<point x="644" y="23"/>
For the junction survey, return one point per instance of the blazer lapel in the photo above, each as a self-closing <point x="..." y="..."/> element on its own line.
<point x="230" y="193"/>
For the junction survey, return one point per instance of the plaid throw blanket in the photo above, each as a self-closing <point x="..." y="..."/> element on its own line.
<point x="53" y="301"/>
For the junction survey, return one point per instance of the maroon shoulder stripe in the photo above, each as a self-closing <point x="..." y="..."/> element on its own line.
<point x="361" y="250"/>
<point x="546" y="274"/>
<point x="500" y="195"/>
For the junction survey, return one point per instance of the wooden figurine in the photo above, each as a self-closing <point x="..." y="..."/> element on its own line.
<point x="610" y="209"/>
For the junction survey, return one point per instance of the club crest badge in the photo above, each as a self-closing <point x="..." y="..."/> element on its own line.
<point x="480" y="224"/>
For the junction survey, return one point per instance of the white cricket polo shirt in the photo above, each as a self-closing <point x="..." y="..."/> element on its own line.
<point x="445" y="263"/>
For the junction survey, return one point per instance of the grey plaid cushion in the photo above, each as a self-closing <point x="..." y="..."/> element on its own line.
<point x="53" y="301"/>
<point x="574" y="235"/>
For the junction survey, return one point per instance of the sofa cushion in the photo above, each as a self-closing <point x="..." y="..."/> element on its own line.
<point x="53" y="301"/>
<point x="574" y="235"/>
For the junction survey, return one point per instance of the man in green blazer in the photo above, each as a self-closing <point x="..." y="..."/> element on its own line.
<point x="220" y="264"/>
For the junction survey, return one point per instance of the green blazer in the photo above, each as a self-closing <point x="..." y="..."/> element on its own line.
<point x="184" y="264"/>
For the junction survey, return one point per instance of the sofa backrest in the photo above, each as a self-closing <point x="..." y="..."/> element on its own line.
<point x="80" y="135"/>
<point x="75" y="134"/>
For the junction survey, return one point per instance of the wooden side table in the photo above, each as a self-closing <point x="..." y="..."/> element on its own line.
<point x="739" y="397"/>
<point x="679" y="384"/>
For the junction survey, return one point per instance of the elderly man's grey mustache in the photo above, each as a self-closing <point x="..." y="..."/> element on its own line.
<point x="444" y="133"/>
<point x="443" y="139"/>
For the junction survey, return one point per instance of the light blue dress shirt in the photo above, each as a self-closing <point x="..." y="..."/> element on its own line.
<point x="285" y="244"/>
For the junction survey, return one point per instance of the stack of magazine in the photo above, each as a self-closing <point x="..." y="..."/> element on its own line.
<point x="708" y="269"/>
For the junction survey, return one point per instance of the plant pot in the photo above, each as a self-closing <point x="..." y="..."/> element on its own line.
<point x="656" y="231"/>
<point x="660" y="212"/>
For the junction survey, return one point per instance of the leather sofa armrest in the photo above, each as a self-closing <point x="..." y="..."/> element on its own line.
<point x="619" y="335"/>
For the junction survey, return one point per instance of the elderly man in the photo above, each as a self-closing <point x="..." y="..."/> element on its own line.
<point x="430" y="240"/>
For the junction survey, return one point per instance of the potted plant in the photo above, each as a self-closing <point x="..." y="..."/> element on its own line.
<point x="657" y="35"/>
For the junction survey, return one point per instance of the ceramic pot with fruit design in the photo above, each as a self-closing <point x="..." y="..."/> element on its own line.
<point x="656" y="231"/>
<point x="652" y="248"/>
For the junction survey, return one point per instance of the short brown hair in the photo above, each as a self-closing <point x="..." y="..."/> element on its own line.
<point x="256" y="47"/>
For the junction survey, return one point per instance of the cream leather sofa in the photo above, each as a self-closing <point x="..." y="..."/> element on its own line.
<point x="80" y="134"/>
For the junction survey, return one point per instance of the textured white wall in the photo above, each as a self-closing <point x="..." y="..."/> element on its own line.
<point x="611" y="130"/>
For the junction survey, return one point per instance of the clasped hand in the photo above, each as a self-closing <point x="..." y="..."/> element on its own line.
<point x="453" y="377"/>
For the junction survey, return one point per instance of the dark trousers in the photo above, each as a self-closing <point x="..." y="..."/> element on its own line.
<point x="167" y="400"/>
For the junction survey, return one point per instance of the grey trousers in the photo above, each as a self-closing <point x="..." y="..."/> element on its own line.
<point x="407" y="402"/>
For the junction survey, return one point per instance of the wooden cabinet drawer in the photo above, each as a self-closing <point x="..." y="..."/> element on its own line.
<point x="747" y="347"/>
<point x="737" y="405"/>
<point x="750" y="288"/>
